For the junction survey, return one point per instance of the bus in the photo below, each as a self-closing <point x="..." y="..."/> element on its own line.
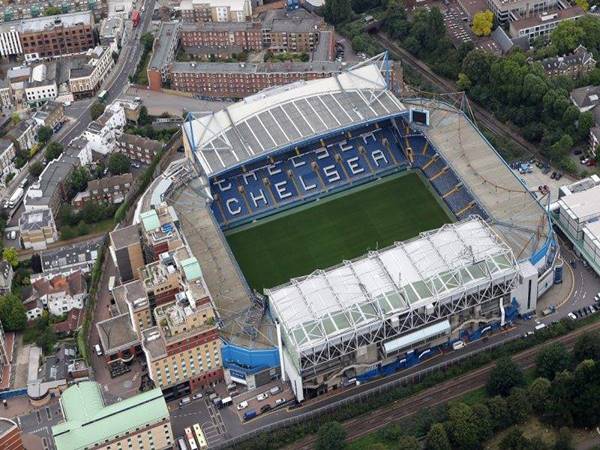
<point x="111" y="283"/>
<point x="102" y="95"/>
<point x="200" y="436"/>
<point x="15" y="197"/>
<point x="190" y="437"/>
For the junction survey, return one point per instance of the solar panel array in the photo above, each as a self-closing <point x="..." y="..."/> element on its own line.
<point x="293" y="121"/>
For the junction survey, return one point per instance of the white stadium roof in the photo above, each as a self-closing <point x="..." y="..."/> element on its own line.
<point x="284" y="115"/>
<point x="357" y="295"/>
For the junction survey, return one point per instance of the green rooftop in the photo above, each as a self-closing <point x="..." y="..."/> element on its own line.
<point x="191" y="268"/>
<point x="89" y="421"/>
<point x="150" y="220"/>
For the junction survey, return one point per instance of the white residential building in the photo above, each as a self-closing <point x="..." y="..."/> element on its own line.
<point x="42" y="84"/>
<point x="85" y="78"/>
<point x="10" y="43"/>
<point x="7" y="155"/>
<point x="101" y="133"/>
<point x="60" y="294"/>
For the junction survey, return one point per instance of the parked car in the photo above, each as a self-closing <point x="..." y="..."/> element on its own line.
<point x="263" y="396"/>
<point x="265" y="408"/>
<point x="572" y="316"/>
<point x="184" y="401"/>
<point x="197" y="396"/>
<point x="242" y="405"/>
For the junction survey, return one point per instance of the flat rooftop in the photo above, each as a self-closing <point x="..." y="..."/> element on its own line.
<point x="583" y="205"/>
<point x="163" y="44"/>
<point x="557" y="15"/>
<point x="278" y="67"/>
<point x="44" y="23"/>
<point x="126" y="236"/>
<point x="117" y="334"/>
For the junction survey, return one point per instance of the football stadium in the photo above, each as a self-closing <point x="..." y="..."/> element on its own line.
<point x="369" y="232"/>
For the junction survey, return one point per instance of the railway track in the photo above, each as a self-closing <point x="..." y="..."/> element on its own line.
<point x="437" y="395"/>
<point x="483" y="117"/>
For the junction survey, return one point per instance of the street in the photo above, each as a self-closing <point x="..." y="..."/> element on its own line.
<point x="115" y="85"/>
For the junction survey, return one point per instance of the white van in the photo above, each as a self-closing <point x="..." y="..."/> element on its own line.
<point x="539" y="327"/>
<point x="184" y="401"/>
<point x="98" y="350"/>
<point x="458" y="345"/>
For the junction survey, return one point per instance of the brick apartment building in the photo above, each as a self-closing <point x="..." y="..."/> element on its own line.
<point x="56" y="35"/>
<point x="110" y="190"/>
<point x="183" y="351"/>
<point x="138" y="148"/>
<point x="215" y="10"/>
<point x="277" y="30"/>
<point x="233" y="80"/>
<point x="243" y="36"/>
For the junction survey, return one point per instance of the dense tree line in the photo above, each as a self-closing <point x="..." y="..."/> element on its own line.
<point x="424" y="35"/>
<point x="519" y="92"/>
<point x="565" y="394"/>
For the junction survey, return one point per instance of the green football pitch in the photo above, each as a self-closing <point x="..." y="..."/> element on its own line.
<point x="344" y="226"/>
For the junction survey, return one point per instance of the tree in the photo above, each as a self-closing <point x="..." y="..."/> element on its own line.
<point x="501" y="418"/>
<point x="518" y="405"/>
<point x="566" y="36"/>
<point x="10" y="254"/>
<point x="463" y="83"/>
<point x="337" y="11"/>
<point x="587" y="345"/>
<point x="583" y="4"/>
<point x="437" y="439"/>
<point x="564" y="440"/>
<point x="53" y="150"/>
<point x="514" y="440"/>
<point x="96" y="110"/>
<point x="52" y="11"/>
<point x="462" y="428"/>
<point x="538" y="393"/>
<point x="331" y="436"/>
<point x="407" y="443"/>
<point x="77" y="181"/>
<point x="483" y="22"/>
<point x="147" y="40"/>
<point x="12" y="313"/>
<point x="144" y="118"/>
<point x="15" y="118"/>
<point x="505" y="376"/>
<point x="36" y="169"/>
<point x="551" y="359"/>
<point x="44" y="134"/>
<point x="118" y="163"/>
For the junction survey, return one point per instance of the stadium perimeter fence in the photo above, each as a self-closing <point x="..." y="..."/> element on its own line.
<point x="384" y="387"/>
